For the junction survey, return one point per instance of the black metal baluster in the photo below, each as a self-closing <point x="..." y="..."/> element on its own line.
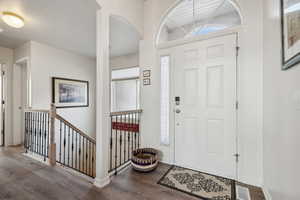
<point x="45" y="136"/>
<point x="33" y="138"/>
<point x="139" y="134"/>
<point x="72" y="148"/>
<point x="25" y="133"/>
<point x="32" y="132"/>
<point x="86" y="155"/>
<point x="64" y="143"/>
<point x="79" y="153"/>
<point x="111" y="143"/>
<point x="83" y="154"/>
<point x="116" y="145"/>
<point x="48" y="133"/>
<point x="93" y="159"/>
<point x="125" y="121"/>
<point x="89" y="157"/>
<point x="135" y="122"/>
<point x="131" y="119"/>
<point x="38" y="133"/>
<point x="69" y="146"/>
<point x="42" y="131"/>
<point x="60" y="138"/>
<point x="41" y="134"/>
<point x="128" y="137"/>
<point x="121" y="132"/>
<point x="76" y="150"/>
<point x="35" y="133"/>
<point x="29" y="129"/>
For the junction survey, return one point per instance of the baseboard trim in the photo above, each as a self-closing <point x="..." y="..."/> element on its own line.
<point x="266" y="193"/>
<point x="101" y="183"/>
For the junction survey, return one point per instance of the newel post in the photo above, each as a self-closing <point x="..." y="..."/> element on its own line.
<point x="52" y="149"/>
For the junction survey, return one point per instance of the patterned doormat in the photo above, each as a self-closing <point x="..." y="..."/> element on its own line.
<point x="202" y="185"/>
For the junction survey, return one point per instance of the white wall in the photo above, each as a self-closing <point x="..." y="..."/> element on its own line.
<point x="126" y="61"/>
<point x="6" y="56"/>
<point x="47" y="62"/>
<point x="22" y="51"/>
<point x="250" y="97"/>
<point x="281" y="136"/>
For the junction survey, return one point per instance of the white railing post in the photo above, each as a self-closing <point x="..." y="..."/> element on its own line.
<point x="52" y="144"/>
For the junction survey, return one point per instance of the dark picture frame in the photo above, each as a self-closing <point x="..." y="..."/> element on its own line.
<point x="290" y="32"/>
<point x="70" y="93"/>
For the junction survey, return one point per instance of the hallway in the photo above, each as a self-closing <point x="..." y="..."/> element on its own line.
<point x="22" y="178"/>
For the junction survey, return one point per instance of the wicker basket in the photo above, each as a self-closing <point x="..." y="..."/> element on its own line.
<point x="144" y="160"/>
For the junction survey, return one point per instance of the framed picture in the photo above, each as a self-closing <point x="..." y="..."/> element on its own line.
<point x="146" y="81"/>
<point x="146" y="73"/>
<point x="290" y="19"/>
<point x="69" y="93"/>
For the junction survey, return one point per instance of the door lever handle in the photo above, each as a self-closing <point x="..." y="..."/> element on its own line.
<point x="178" y="111"/>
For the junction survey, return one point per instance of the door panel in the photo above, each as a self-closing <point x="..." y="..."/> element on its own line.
<point x="205" y="129"/>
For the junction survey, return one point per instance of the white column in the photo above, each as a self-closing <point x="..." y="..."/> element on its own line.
<point x="103" y="99"/>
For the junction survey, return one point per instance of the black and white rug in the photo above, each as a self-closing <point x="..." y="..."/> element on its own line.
<point x="202" y="185"/>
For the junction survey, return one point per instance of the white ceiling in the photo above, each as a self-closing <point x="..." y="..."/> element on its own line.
<point x="65" y="24"/>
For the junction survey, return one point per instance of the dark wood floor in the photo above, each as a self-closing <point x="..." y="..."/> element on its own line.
<point x="22" y="178"/>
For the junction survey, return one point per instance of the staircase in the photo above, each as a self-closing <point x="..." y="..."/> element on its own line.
<point x="58" y="141"/>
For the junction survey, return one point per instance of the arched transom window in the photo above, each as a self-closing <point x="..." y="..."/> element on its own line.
<point x="198" y="17"/>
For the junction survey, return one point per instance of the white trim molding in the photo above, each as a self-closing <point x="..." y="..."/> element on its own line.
<point x="101" y="183"/>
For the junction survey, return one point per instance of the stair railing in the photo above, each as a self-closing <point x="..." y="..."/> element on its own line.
<point x="124" y="138"/>
<point x="50" y="135"/>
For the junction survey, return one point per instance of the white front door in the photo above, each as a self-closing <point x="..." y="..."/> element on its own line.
<point x="205" y="119"/>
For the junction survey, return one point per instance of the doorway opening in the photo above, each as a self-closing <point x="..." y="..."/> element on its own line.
<point x="197" y="45"/>
<point x="124" y="65"/>
<point x="2" y="107"/>
<point x="22" y="100"/>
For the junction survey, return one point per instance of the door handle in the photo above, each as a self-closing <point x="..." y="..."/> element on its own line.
<point x="178" y="111"/>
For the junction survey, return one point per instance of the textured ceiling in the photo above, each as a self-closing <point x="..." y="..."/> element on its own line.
<point x="65" y="24"/>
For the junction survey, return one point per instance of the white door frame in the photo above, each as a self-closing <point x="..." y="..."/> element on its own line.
<point x="3" y="97"/>
<point x="165" y="50"/>
<point x="17" y="137"/>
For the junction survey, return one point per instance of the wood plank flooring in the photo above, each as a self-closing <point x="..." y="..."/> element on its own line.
<point x="22" y="178"/>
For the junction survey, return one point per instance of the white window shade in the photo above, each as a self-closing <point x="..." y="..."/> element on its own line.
<point x="164" y="100"/>
<point x="125" y="90"/>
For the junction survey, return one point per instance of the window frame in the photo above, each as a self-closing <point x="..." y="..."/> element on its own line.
<point x="137" y="78"/>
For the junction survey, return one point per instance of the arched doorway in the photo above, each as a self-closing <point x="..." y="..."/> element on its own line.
<point x="197" y="44"/>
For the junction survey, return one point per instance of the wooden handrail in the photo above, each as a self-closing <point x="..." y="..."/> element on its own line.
<point x="57" y="116"/>
<point x="126" y="112"/>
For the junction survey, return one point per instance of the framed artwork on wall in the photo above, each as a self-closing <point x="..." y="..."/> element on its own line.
<point x="290" y="20"/>
<point x="70" y="93"/>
